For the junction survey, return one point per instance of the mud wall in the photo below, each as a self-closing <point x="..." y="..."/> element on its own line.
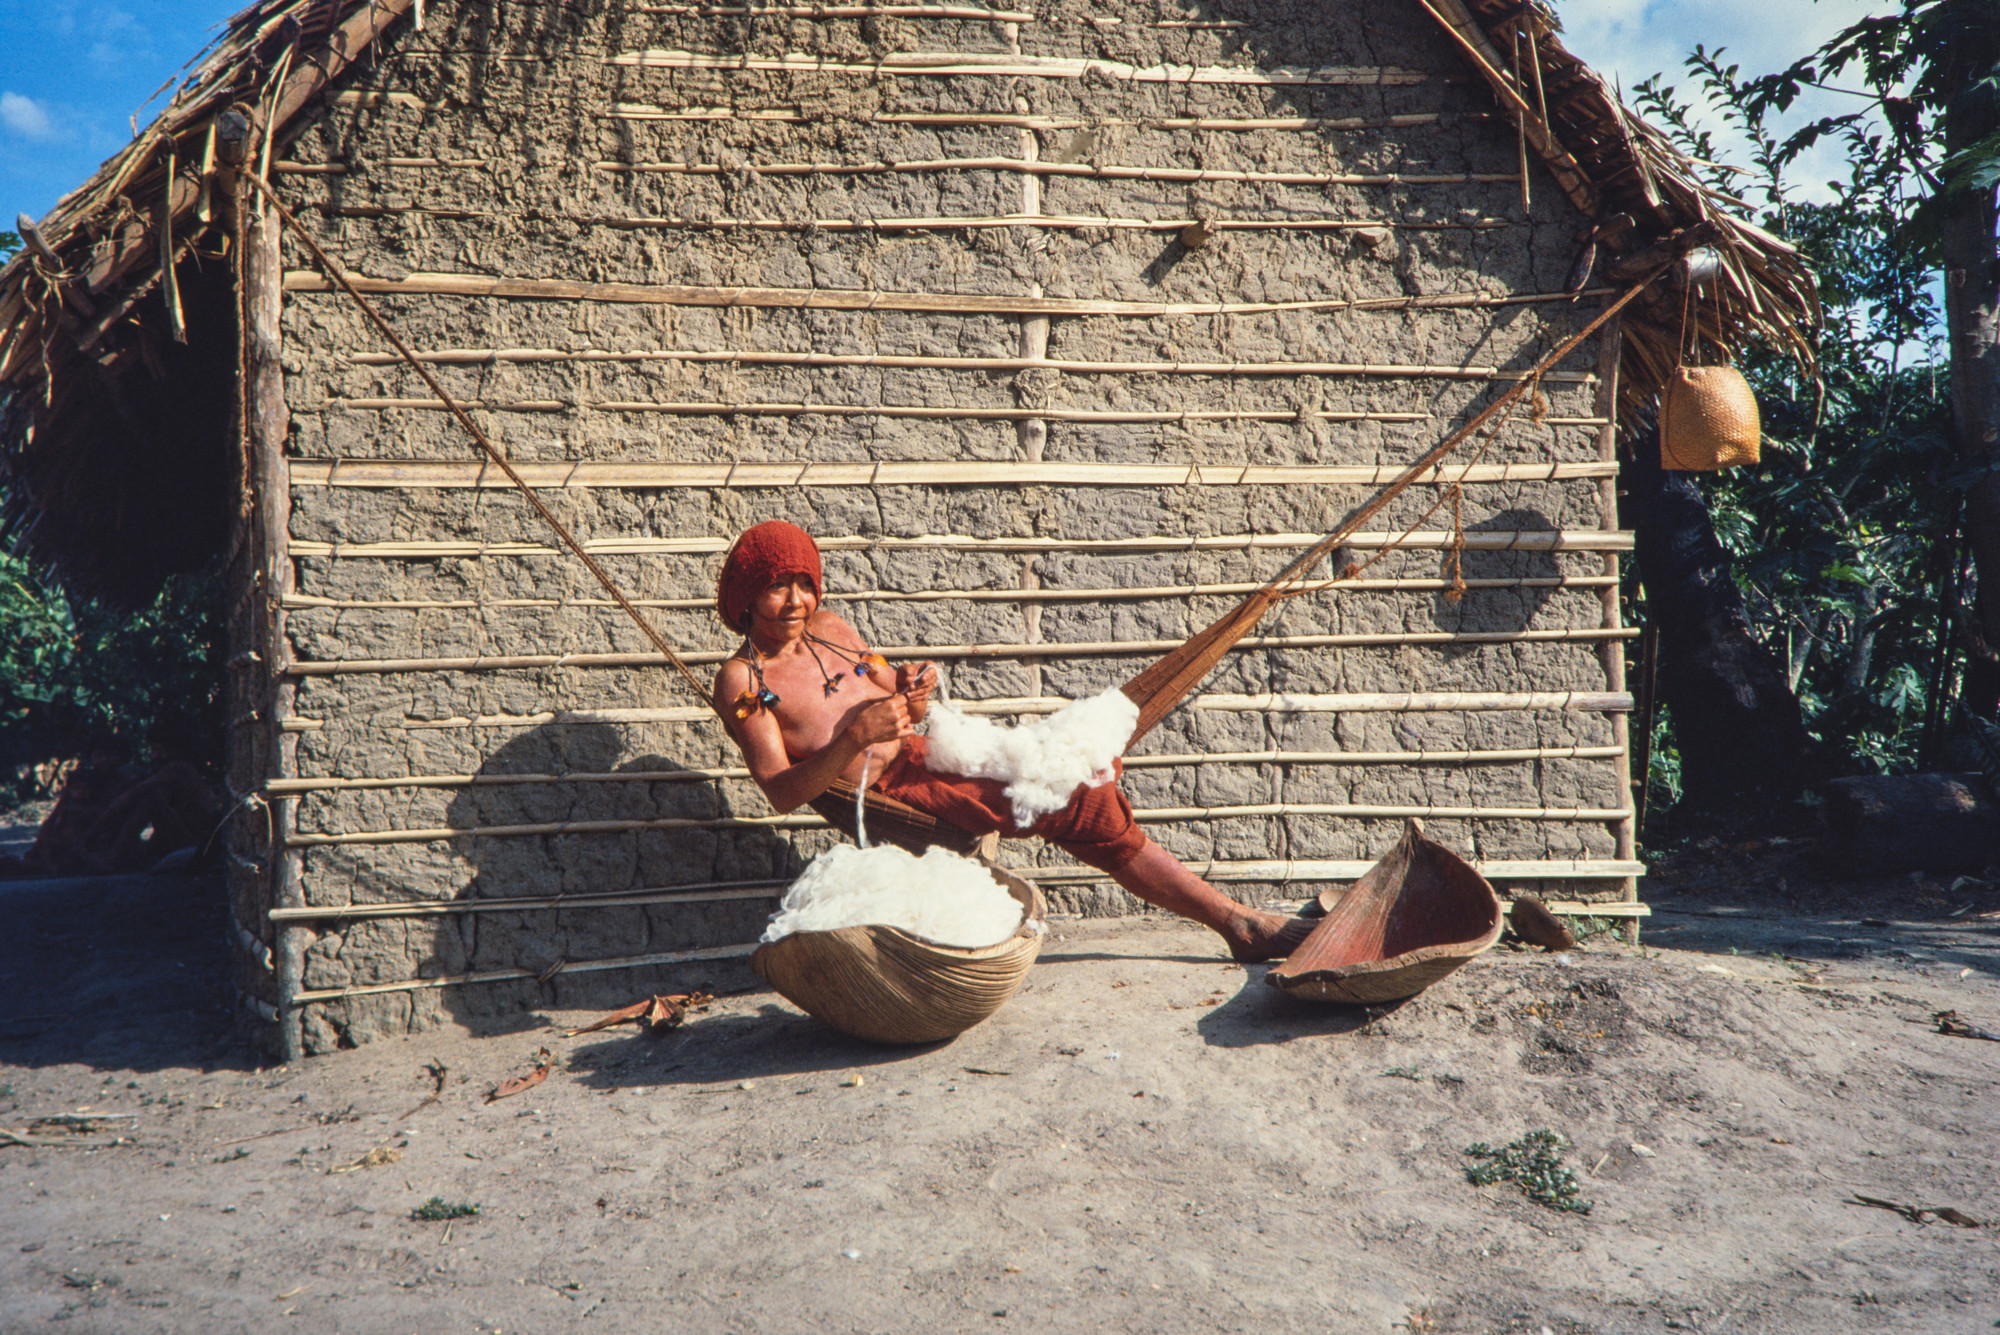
<point x="637" y="238"/>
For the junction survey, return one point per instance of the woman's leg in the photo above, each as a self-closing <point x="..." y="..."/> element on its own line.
<point x="1159" y="878"/>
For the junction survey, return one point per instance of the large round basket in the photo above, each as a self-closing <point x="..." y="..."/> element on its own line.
<point x="1708" y="420"/>
<point x="883" y="984"/>
<point x="1414" y="917"/>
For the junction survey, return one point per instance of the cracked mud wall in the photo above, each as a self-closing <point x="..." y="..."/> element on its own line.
<point x="548" y="142"/>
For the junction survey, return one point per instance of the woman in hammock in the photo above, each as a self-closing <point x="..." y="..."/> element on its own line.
<point x="809" y="703"/>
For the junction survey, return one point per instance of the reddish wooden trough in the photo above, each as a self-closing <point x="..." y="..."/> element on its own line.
<point x="1414" y="917"/>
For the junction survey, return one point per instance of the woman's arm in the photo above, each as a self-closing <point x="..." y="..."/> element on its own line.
<point x="787" y="785"/>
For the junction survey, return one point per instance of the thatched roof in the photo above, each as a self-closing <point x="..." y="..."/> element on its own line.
<point x="76" y="327"/>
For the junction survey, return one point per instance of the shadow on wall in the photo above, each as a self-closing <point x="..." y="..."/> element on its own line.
<point x="544" y="865"/>
<point x="1505" y="609"/>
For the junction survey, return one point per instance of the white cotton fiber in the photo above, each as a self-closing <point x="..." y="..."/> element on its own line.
<point x="946" y="899"/>
<point x="1041" y="761"/>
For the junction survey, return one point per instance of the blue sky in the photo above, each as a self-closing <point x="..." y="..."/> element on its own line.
<point x="72" y="72"/>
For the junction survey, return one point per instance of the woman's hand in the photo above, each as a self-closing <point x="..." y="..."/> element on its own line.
<point x="915" y="682"/>
<point x="884" y="721"/>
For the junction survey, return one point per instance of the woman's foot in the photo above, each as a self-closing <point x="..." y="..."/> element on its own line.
<point x="1257" y="936"/>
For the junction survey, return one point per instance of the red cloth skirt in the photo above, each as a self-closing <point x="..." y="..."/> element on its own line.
<point x="1096" y="828"/>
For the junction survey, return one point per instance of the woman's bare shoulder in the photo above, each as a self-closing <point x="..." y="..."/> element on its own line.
<point x="732" y="677"/>
<point x="832" y="626"/>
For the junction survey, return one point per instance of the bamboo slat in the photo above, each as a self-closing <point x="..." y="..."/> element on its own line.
<point x="1065" y="222"/>
<point x="1137" y="593"/>
<point x="294" y="787"/>
<point x="897" y="361"/>
<point x="318" y="995"/>
<point x="707" y="893"/>
<point x="922" y="64"/>
<point x="1084" y="170"/>
<point x="1402" y="702"/>
<point x="1497" y="540"/>
<point x="1602" y="702"/>
<point x="306" y="996"/>
<point x="972" y="13"/>
<point x="848" y="299"/>
<point x="1340" y="870"/>
<point x="1042" y="649"/>
<point x="1152" y="815"/>
<point x="643" y="111"/>
<point x="907" y="412"/>
<point x="917" y="473"/>
<point x="1213" y="870"/>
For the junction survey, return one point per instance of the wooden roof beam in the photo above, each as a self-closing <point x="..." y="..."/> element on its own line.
<point x="1486" y="59"/>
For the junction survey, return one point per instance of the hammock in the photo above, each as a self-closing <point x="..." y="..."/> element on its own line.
<point x="1156" y="690"/>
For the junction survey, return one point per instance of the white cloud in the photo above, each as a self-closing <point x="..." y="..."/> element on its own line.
<point x="1629" y="40"/>
<point x="25" y="117"/>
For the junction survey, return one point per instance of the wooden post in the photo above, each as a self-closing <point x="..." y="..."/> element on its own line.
<point x="268" y="423"/>
<point x="1610" y="344"/>
<point x="1033" y="432"/>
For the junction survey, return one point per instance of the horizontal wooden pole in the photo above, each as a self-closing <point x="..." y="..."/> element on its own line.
<point x="1079" y="170"/>
<point x="1353" y="811"/>
<point x="645" y="111"/>
<point x="1214" y="871"/>
<point x="299" y="602"/>
<point x="1515" y="540"/>
<point x="963" y="222"/>
<point x="1413" y="702"/>
<point x="1417" y="702"/>
<point x="850" y="299"/>
<point x="331" y="784"/>
<point x="355" y="97"/>
<point x="1316" y="870"/>
<point x="708" y="893"/>
<point x="933" y="64"/>
<point x="971" y="13"/>
<point x="640" y="476"/>
<point x="307" y="996"/>
<point x="1050" y="649"/>
<point x="896" y="361"/>
<point x="898" y="411"/>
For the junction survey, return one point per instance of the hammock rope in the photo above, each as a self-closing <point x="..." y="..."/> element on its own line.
<point x="1156" y="690"/>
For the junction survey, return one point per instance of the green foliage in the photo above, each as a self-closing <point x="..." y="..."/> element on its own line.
<point x="1844" y="534"/>
<point x="76" y="678"/>
<point x="436" y="1210"/>
<point x="9" y="243"/>
<point x="1534" y="1163"/>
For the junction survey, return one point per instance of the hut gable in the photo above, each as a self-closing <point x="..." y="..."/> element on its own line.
<point x="1059" y="326"/>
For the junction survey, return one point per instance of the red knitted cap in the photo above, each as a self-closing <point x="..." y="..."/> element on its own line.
<point x="764" y="555"/>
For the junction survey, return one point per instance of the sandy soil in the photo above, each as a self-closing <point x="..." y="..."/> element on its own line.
<point x="1147" y="1139"/>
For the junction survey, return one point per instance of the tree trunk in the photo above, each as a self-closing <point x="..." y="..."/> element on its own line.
<point x="1735" y="718"/>
<point x="1972" y="302"/>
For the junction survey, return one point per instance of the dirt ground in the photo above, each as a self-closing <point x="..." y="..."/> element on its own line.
<point x="1146" y="1139"/>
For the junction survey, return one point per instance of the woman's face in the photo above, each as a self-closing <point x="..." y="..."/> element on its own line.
<point x="784" y="609"/>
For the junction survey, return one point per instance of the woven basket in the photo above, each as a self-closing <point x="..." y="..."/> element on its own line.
<point x="1414" y="917"/>
<point x="1708" y="420"/>
<point x="885" y="985"/>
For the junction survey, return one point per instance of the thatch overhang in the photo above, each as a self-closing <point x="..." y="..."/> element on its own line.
<point x="118" y="349"/>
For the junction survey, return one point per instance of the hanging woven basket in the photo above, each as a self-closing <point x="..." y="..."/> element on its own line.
<point x="885" y="985"/>
<point x="1708" y="420"/>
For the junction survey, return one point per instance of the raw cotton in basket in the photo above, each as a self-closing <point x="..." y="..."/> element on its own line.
<point x="946" y="899"/>
<point x="1042" y="761"/>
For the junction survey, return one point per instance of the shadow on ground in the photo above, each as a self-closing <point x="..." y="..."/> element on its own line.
<point x="1774" y="898"/>
<point x="122" y="973"/>
<point x="770" y="1042"/>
